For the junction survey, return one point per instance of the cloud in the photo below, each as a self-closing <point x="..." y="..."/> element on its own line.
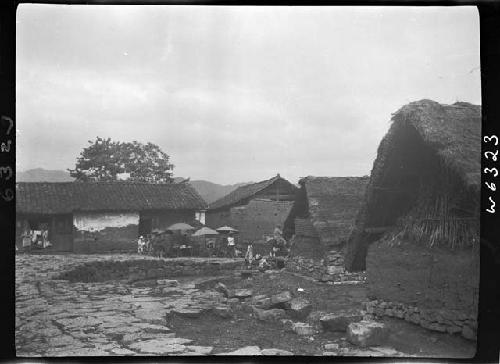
<point x="235" y="93"/>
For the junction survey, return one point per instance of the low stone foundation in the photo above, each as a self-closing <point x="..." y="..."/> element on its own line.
<point x="142" y="269"/>
<point x="329" y="269"/>
<point x="450" y="321"/>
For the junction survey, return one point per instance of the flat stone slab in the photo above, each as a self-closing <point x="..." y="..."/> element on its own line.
<point x="161" y="346"/>
<point x="299" y="308"/>
<point x="167" y="282"/>
<point x="367" y="333"/>
<point x="140" y="336"/>
<point x="122" y="351"/>
<point x="273" y="351"/>
<point x="279" y="300"/>
<point x="247" y="350"/>
<point x="199" y="350"/>
<point x="269" y="315"/>
<point x="241" y="293"/>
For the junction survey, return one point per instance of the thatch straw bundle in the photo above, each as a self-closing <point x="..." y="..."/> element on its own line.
<point x="424" y="184"/>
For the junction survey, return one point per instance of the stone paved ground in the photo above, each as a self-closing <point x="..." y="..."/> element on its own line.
<point x="58" y="318"/>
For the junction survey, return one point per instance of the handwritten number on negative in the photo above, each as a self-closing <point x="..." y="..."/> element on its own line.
<point x="491" y="210"/>
<point x="494" y="155"/>
<point x="490" y="138"/>
<point x="491" y="170"/>
<point x="491" y="186"/>
<point x="8" y="195"/>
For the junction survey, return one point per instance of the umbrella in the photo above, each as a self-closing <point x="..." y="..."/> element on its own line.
<point x="205" y="231"/>
<point x="180" y="226"/>
<point x="157" y="231"/>
<point x="226" y="229"/>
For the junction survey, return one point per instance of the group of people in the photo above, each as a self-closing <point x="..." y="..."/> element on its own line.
<point x="36" y="238"/>
<point x="279" y="250"/>
<point x="167" y="244"/>
<point x="163" y="244"/>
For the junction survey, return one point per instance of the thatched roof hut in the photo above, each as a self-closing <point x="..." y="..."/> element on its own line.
<point x="425" y="182"/>
<point x="330" y="204"/>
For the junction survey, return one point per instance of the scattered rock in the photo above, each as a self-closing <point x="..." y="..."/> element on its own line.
<point x="269" y="315"/>
<point x="222" y="288"/>
<point x="299" y="308"/>
<point x="339" y="321"/>
<point x="167" y="282"/>
<point x="331" y="346"/>
<point x="302" y="328"/>
<point x="247" y="350"/>
<point x="275" y="352"/>
<point x="287" y="324"/>
<point x="367" y="333"/>
<point x="279" y="300"/>
<point x="262" y="302"/>
<point x="241" y="293"/>
<point x="329" y="353"/>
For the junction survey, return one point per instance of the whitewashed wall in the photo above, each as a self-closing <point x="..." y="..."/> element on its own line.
<point x="100" y="221"/>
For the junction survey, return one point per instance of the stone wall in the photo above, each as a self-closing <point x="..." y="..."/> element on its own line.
<point x="148" y="269"/>
<point x="442" y="320"/>
<point x="429" y="279"/>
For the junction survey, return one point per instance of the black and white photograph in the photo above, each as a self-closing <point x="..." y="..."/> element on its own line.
<point x="247" y="180"/>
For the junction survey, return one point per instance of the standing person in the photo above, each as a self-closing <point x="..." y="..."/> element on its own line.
<point x="140" y="245"/>
<point x="230" y="245"/>
<point x="249" y="255"/>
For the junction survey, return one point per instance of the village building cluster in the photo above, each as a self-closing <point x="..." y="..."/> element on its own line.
<point x="412" y="225"/>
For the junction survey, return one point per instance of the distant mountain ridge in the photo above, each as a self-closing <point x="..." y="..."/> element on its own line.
<point x="43" y="175"/>
<point x="208" y="190"/>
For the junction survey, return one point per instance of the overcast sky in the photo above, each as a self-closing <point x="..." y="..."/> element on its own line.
<point x="235" y="94"/>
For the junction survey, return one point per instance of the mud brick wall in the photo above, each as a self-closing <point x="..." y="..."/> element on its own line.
<point x="429" y="279"/>
<point x="216" y="219"/>
<point x="333" y="217"/>
<point x="259" y="218"/>
<point x="165" y="218"/>
<point x="304" y="227"/>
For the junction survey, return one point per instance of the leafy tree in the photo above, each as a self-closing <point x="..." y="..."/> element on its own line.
<point x="104" y="159"/>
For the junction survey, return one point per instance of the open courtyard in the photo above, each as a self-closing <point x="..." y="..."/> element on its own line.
<point x="115" y="305"/>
